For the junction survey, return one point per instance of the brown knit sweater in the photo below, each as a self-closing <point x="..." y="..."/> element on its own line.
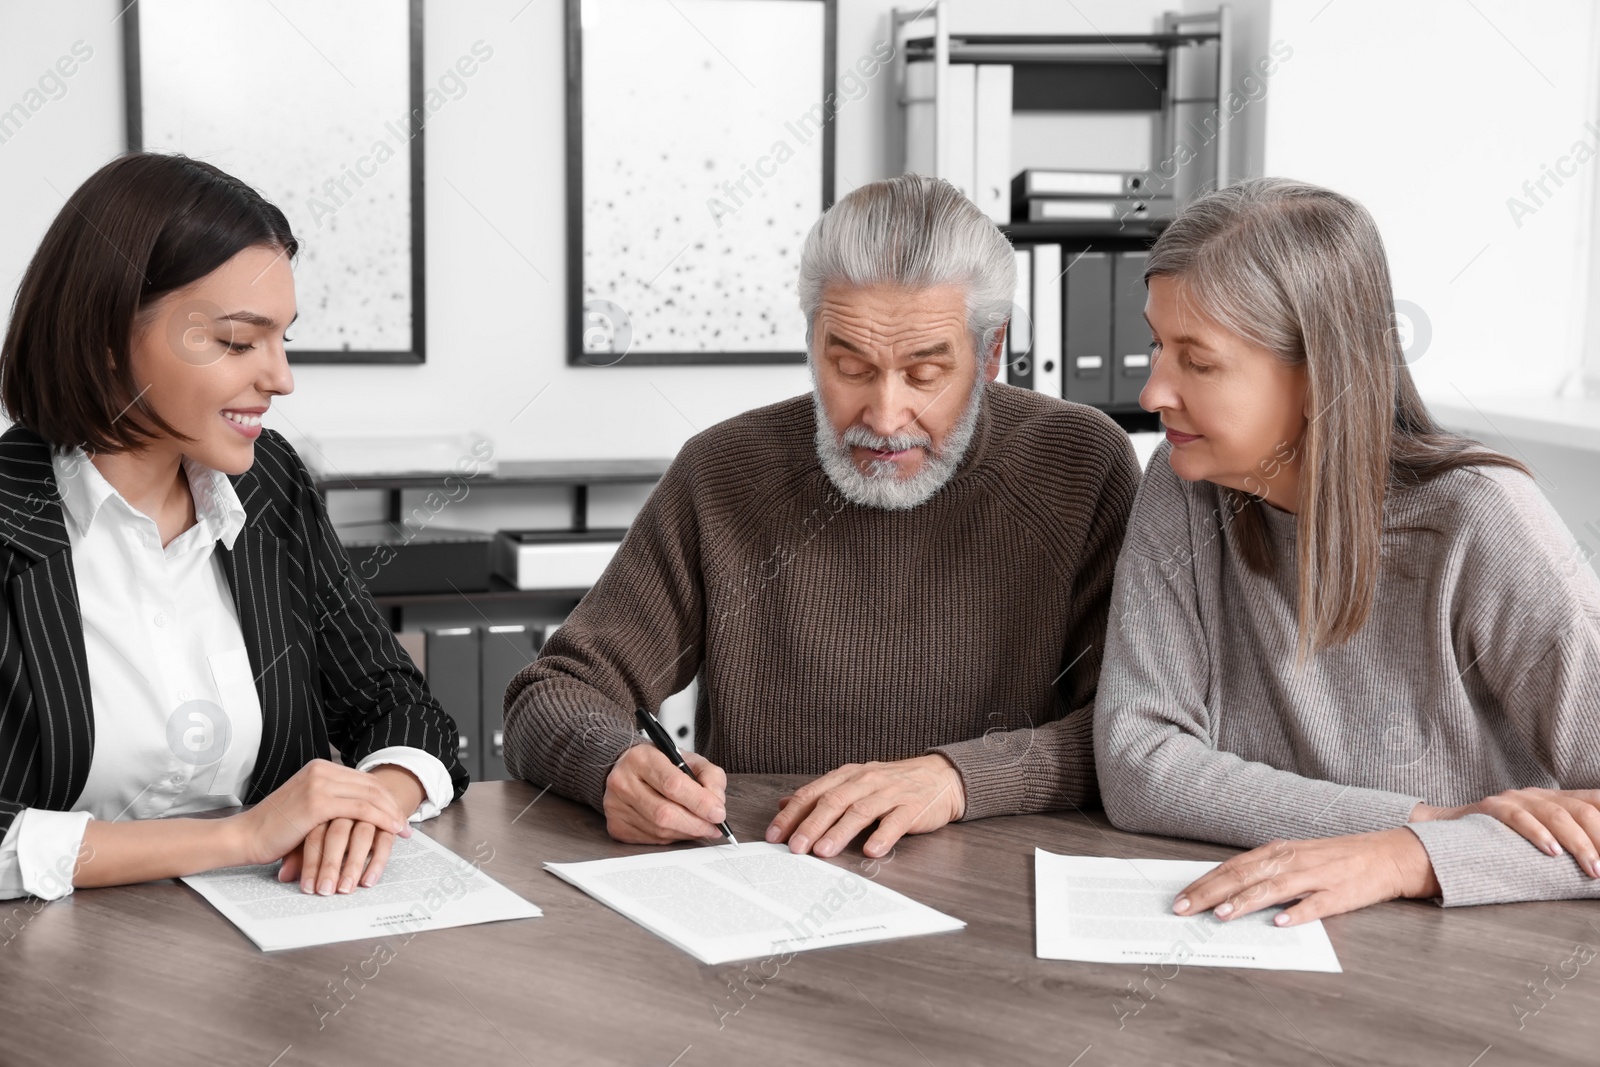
<point x="825" y="633"/>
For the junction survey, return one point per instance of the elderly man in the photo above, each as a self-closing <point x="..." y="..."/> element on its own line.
<point x="898" y="583"/>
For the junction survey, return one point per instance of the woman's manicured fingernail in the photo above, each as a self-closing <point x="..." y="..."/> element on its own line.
<point x="1594" y="868"/>
<point x="1552" y="848"/>
<point x="1180" y="905"/>
<point x="1223" y="910"/>
<point x="1281" y="919"/>
<point x="325" y="887"/>
<point x="306" y="885"/>
<point x="717" y="815"/>
<point x="346" y="885"/>
<point x="798" y="843"/>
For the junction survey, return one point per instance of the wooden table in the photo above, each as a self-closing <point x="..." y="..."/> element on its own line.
<point x="150" y="974"/>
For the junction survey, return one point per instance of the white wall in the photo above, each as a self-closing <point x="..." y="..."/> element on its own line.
<point x="1433" y="114"/>
<point x="496" y="332"/>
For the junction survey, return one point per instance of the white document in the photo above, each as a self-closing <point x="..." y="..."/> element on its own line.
<point x="722" y="903"/>
<point x="1102" y="910"/>
<point x="424" y="887"/>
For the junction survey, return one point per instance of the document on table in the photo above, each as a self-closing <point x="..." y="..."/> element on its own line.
<point x="424" y="887"/>
<point x="1102" y="910"/>
<point x="721" y="903"/>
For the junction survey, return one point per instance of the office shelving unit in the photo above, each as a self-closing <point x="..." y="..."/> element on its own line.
<point x="1179" y="75"/>
<point x="578" y="475"/>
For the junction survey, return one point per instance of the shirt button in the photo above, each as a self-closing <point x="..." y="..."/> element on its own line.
<point x="183" y="696"/>
<point x="160" y="620"/>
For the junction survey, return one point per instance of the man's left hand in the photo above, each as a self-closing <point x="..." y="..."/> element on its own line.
<point x="910" y="796"/>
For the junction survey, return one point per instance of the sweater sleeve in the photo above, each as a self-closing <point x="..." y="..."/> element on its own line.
<point x="1530" y="616"/>
<point x="1051" y="766"/>
<point x="636" y="638"/>
<point x="1160" y="769"/>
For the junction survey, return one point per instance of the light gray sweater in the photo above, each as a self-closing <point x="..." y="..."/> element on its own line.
<point x="1477" y="671"/>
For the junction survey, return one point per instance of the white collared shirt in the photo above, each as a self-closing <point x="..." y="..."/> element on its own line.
<point x="176" y="715"/>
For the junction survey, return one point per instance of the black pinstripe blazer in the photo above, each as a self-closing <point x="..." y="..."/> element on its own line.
<point x="327" y="667"/>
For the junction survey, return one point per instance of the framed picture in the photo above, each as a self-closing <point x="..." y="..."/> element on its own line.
<point x="699" y="154"/>
<point x="320" y="106"/>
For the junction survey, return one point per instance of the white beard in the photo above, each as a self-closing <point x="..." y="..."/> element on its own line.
<point x="881" y="486"/>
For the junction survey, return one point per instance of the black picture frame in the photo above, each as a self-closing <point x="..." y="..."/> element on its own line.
<point x="576" y="356"/>
<point x="417" y="352"/>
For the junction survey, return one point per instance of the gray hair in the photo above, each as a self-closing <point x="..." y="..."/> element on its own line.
<point x="915" y="232"/>
<point x="1301" y="271"/>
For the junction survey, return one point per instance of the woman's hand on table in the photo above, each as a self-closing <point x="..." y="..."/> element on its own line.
<point x="1328" y="876"/>
<point x="337" y="854"/>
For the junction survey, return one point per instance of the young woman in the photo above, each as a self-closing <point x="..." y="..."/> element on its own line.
<point x="1337" y="629"/>
<point x="181" y="630"/>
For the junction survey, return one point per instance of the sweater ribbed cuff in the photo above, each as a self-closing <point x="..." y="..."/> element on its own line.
<point x="1480" y="860"/>
<point x="1016" y="772"/>
<point x="565" y="742"/>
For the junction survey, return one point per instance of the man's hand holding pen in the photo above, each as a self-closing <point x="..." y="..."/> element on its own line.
<point x="656" y="794"/>
<point x="649" y="801"/>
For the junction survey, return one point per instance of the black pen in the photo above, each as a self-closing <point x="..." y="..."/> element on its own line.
<point x="658" y="737"/>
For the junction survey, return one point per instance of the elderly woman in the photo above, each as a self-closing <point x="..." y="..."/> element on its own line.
<point x="1336" y="625"/>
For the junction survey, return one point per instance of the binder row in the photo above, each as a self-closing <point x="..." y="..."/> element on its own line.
<point x="1078" y="328"/>
<point x="468" y="669"/>
<point x="978" y="106"/>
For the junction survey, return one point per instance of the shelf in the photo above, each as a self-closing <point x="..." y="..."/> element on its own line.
<point x="499" y="589"/>
<point x="1136" y="234"/>
<point x="1071" y="47"/>
<point x="512" y="473"/>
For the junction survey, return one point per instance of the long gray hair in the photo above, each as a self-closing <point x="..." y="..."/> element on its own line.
<point x="915" y="232"/>
<point x="1301" y="271"/>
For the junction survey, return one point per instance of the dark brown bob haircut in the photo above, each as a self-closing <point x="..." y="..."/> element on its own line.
<point x="142" y="226"/>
